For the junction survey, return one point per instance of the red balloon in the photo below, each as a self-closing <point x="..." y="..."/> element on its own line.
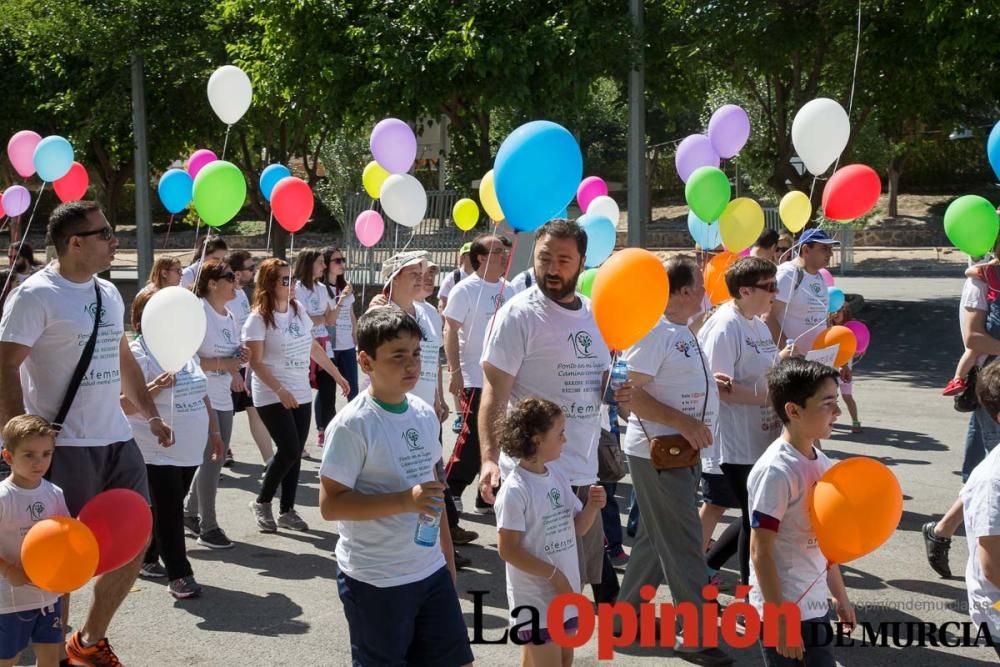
<point x="292" y="203"/>
<point x="851" y="192"/>
<point x="121" y="521"/>
<point x="74" y="184"/>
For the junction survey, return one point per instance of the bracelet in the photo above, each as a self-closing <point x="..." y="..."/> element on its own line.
<point x="554" y="570"/>
<point x="280" y="389"/>
<point x="216" y="433"/>
<point x="153" y="419"/>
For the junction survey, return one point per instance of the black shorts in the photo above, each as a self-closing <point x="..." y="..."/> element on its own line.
<point x="83" y="472"/>
<point x="242" y="399"/>
<point x="716" y="490"/>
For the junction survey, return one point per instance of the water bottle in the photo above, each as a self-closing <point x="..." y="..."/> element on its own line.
<point x="617" y="378"/>
<point x="428" y="527"/>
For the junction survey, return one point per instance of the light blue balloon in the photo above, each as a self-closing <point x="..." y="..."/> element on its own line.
<point x="270" y="176"/>
<point x="53" y="158"/>
<point x="708" y="236"/>
<point x="600" y="238"/>
<point x="563" y="214"/>
<point x="993" y="149"/>
<point x="175" y="190"/>
<point x="536" y="173"/>
<point x="837" y="299"/>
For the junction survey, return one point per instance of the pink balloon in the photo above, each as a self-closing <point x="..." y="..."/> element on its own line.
<point x="369" y="227"/>
<point x="861" y="333"/>
<point x="199" y="159"/>
<point x="590" y="188"/>
<point x="745" y="253"/>
<point x="827" y="277"/>
<point x="16" y="200"/>
<point x="21" y="152"/>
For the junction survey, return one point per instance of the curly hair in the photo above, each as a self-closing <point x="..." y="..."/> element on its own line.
<point x="529" y="418"/>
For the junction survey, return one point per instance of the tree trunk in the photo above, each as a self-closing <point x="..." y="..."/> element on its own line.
<point x="895" y="169"/>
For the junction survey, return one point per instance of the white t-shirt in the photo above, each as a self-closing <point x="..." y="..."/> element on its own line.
<point x="669" y="353"/>
<point x="239" y="306"/>
<point x="448" y="282"/>
<point x="316" y="301"/>
<point x="744" y="350"/>
<point x="187" y="416"/>
<point x="20" y="510"/>
<point x="287" y="347"/>
<point x="779" y="487"/>
<point x="806" y="310"/>
<point x="55" y="317"/>
<point x="542" y="507"/>
<point x="974" y="297"/>
<point x="557" y="354"/>
<point x="189" y="274"/>
<point x="473" y="303"/>
<point x="520" y="281"/>
<point x="430" y="323"/>
<point x="981" y="506"/>
<point x="343" y="332"/>
<point x="374" y="451"/>
<point x="222" y="340"/>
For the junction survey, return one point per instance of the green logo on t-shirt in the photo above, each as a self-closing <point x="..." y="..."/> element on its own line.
<point x="294" y="330"/>
<point x="553" y="496"/>
<point x="37" y="510"/>
<point x="91" y="308"/>
<point x="497" y="301"/>
<point x="228" y="335"/>
<point x="582" y="342"/>
<point x="412" y="439"/>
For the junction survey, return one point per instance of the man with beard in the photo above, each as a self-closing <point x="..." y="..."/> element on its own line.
<point x="545" y="343"/>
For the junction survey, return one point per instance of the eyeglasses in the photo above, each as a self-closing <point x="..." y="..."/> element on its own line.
<point x="767" y="287"/>
<point x="783" y="250"/>
<point x="338" y="260"/>
<point x="231" y="277"/>
<point x="286" y="281"/>
<point x="106" y="233"/>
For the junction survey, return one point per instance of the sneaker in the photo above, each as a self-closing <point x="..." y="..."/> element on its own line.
<point x="456" y="426"/>
<point x="619" y="560"/>
<point x="292" y="521"/>
<point x="482" y="507"/>
<point x="305" y="454"/>
<point x="215" y="539"/>
<point x="954" y="387"/>
<point x="460" y="535"/>
<point x="713" y="657"/>
<point x="937" y="549"/>
<point x="228" y="463"/>
<point x="99" y="655"/>
<point x="152" y="571"/>
<point x="462" y="562"/>
<point x="264" y="517"/>
<point x="184" y="588"/>
<point x="856" y="427"/>
<point x="192" y="526"/>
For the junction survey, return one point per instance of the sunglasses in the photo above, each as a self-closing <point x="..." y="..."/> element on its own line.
<point x="105" y="233"/>
<point x="286" y="281"/>
<point x="767" y="287"/>
<point x="231" y="277"/>
<point x="338" y="260"/>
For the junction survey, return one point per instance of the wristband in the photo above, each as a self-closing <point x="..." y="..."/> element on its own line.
<point x="153" y="419"/>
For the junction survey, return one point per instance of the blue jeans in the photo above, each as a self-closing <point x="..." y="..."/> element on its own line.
<point x="346" y="362"/>
<point x="982" y="435"/>
<point x="612" y="520"/>
<point x="817" y="642"/>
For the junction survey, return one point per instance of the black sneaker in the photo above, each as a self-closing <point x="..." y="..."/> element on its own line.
<point x="460" y="535"/>
<point x="229" y="460"/>
<point x="215" y="539"/>
<point x="937" y="549"/>
<point x="184" y="588"/>
<point x="152" y="571"/>
<point x="462" y="562"/>
<point x="192" y="526"/>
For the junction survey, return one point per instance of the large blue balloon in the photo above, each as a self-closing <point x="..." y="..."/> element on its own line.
<point x="175" y="190"/>
<point x="53" y="158"/>
<point x="600" y="238"/>
<point x="993" y="149"/>
<point x="537" y="170"/>
<point x="708" y="236"/>
<point x="836" y="299"/>
<point x="270" y="176"/>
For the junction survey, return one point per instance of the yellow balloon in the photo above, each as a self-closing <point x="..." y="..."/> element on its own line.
<point x="373" y="177"/>
<point x="488" y="196"/>
<point x="795" y="210"/>
<point x="740" y="224"/>
<point x="465" y="213"/>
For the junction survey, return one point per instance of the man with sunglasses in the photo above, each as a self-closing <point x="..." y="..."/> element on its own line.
<point x="46" y="326"/>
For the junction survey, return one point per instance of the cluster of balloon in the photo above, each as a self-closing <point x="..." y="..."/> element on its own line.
<point x="394" y="147"/>
<point x="971" y="222"/>
<point x="629" y="295"/>
<point x="715" y="277"/>
<point x="728" y="131"/>
<point x="599" y="219"/>
<point x="841" y="336"/>
<point x="52" y="159"/>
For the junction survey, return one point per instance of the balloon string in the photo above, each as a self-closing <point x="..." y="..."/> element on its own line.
<point x="27" y="228"/>
<point x="201" y="260"/>
<point x="292" y="249"/>
<point x="170" y="224"/>
<point x="225" y="144"/>
<point x="475" y="308"/>
<point x="815" y="581"/>
<point x="395" y="243"/>
<point x="270" y="220"/>
<point x="6" y="220"/>
<point x="197" y="228"/>
<point x="172" y="389"/>
<point x="854" y="75"/>
<point x="413" y="232"/>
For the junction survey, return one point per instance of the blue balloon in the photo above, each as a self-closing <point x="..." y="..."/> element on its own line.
<point x="836" y="299"/>
<point x="175" y="189"/>
<point x="993" y="149"/>
<point x="537" y="170"/>
<point x="270" y="176"/>
<point x="563" y="214"/>
<point x="53" y="158"/>
<point x="708" y="236"/>
<point x="600" y="238"/>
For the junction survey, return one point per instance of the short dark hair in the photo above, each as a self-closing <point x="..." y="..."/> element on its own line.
<point x="796" y="380"/>
<point x="988" y="388"/>
<point x="529" y="418"/>
<point x="479" y="248"/>
<point x="237" y="259"/>
<point x="747" y="272"/>
<point x="560" y="228"/>
<point x="68" y="219"/>
<point x="767" y="239"/>
<point x="680" y="272"/>
<point x="212" y="269"/>
<point x="380" y="325"/>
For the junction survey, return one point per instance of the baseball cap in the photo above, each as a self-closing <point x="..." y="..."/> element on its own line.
<point x="816" y="236"/>
<point x="400" y="261"/>
<point x="466" y="249"/>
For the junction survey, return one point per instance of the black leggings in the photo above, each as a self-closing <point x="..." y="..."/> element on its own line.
<point x="289" y="429"/>
<point x="736" y="475"/>
<point x="326" y="399"/>
<point x="167" y="487"/>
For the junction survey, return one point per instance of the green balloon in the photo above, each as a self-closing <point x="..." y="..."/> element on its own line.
<point x="585" y="283"/>
<point x="972" y="224"/>
<point x="707" y="192"/>
<point x="219" y="192"/>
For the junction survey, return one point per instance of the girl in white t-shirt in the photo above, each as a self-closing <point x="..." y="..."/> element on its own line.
<point x="341" y="326"/>
<point x="538" y="519"/>
<point x="310" y="291"/>
<point x="166" y="272"/>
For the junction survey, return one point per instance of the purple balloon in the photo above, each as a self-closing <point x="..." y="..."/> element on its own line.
<point x="729" y="130"/>
<point x="694" y="152"/>
<point x="16" y="200"/>
<point x="394" y="146"/>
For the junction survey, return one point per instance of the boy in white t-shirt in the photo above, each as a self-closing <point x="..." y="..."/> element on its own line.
<point x="786" y="564"/>
<point x="381" y="470"/>
<point x="27" y="613"/>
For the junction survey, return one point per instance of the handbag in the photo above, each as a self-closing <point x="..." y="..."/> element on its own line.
<point x="966" y="401"/>
<point x="610" y="458"/>
<point x="81" y="366"/>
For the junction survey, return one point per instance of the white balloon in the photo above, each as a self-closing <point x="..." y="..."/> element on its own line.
<point x="173" y="326"/>
<point x="403" y="199"/>
<point x="604" y="206"/>
<point x="229" y="93"/>
<point x="819" y="133"/>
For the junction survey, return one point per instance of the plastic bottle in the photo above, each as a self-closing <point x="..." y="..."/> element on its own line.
<point x="428" y="527"/>
<point x="617" y="378"/>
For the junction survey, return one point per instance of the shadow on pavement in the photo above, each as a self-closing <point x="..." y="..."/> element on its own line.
<point x="277" y="563"/>
<point x="271" y="615"/>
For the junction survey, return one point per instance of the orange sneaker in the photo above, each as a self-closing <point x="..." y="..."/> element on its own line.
<point x="99" y="655"/>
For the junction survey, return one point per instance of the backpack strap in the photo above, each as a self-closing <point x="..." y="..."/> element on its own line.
<point x="81" y="366"/>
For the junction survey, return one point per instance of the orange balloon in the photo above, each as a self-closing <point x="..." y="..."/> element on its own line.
<point x="59" y="554"/>
<point x="855" y="507"/>
<point x="838" y="335"/>
<point x="715" y="277"/>
<point x="629" y="296"/>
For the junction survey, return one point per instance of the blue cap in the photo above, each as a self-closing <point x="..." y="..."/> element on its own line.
<point x="816" y="236"/>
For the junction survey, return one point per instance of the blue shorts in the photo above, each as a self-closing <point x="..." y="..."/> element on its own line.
<point x="35" y="626"/>
<point x="413" y="624"/>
